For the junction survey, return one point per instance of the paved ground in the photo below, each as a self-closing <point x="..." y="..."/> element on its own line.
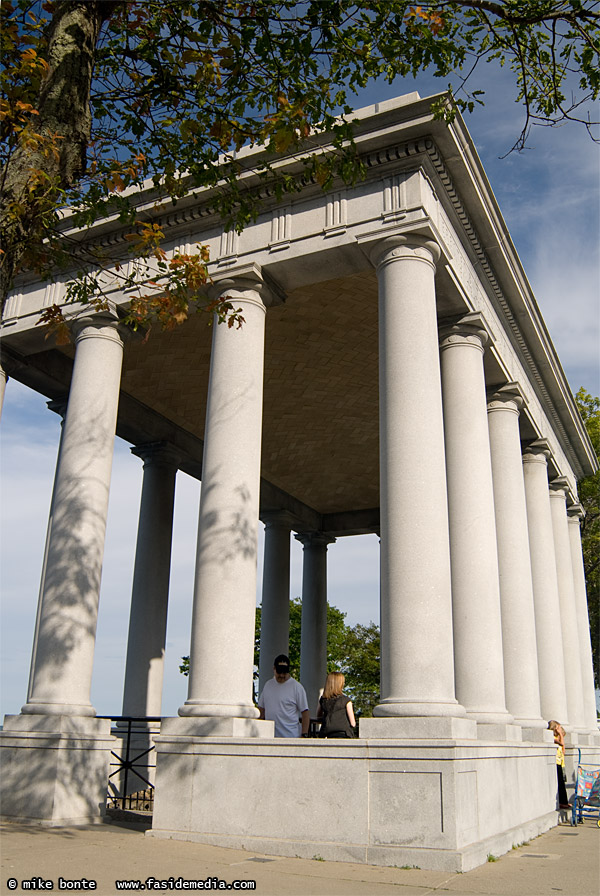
<point x="564" y="860"/>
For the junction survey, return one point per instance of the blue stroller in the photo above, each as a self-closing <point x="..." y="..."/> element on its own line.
<point x="586" y="802"/>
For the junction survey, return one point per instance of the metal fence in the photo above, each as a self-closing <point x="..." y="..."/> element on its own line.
<point x="130" y="781"/>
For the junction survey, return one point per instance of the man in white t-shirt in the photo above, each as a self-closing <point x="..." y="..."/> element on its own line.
<point x="283" y="701"/>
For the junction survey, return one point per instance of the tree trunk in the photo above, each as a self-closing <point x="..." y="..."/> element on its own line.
<point x="27" y="208"/>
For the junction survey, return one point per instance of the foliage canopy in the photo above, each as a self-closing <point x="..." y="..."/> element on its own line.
<point x="103" y="98"/>
<point x="589" y="497"/>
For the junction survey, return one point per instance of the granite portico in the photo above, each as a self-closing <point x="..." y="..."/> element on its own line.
<point x="393" y="375"/>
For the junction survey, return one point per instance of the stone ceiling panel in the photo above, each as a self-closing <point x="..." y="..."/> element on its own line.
<point x="320" y="421"/>
<point x="320" y="426"/>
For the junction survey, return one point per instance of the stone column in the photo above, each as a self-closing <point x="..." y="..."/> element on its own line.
<point x="142" y="695"/>
<point x="417" y="665"/>
<point x="313" y="644"/>
<point x="3" y="380"/>
<point x="521" y="675"/>
<point x="568" y="612"/>
<point x="62" y="673"/>
<point x="60" y="407"/>
<point x="478" y="660"/>
<point x="275" y="611"/>
<point x="553" y="694"/>
<point x="575" y="514"/>
<point x="222" y="645"/>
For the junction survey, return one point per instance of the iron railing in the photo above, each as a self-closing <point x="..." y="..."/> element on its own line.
<point x="132" y="767"/>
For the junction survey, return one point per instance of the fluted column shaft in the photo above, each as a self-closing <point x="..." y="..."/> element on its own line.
<point x="142" y="694"/>
<point x="574" y="517"/>
<point x="551" y="665"/>
<point x="313" y="642"/>
<point x="521" y="676"/>
<point x="417" y="666"/>
<point x="275" y="610"/>
<point x="222" y="645"/>
<point x="568" y="611"/>
<point x="478" y="660"/>
<point x="62" y="670"/>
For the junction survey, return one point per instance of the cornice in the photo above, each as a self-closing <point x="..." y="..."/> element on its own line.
<point x="416" y="152"/>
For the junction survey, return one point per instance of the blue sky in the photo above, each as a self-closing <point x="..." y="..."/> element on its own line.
<point x="550" y="198"/>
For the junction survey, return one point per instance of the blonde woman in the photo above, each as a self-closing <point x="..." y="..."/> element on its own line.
<point x="335" y="709"/>
<point x="559" y="739"/>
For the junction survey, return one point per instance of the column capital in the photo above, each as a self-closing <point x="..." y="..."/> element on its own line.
<point x="538" y="451"/>
<point x="575" y="513"/>
<point x="104" y="325"/>
<point x="281" y="519"/>
<point x="314" y="539"/>
<point x="470" y="329"/>
<point x="399" y="247"/>
<point x="560" y="486"/>
<point x="507" y="397"/>
<point x="59" y="405"/>
<point x="157" y="453"/>
<point x="247" y="278"/>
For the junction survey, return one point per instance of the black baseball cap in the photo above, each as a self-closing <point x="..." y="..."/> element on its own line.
<point x="282" y="663"/>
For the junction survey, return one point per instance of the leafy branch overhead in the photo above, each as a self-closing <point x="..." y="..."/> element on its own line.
<point x="101" y="99"/>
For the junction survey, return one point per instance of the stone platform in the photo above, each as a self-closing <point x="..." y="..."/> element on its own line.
<point x="441" y="804"/>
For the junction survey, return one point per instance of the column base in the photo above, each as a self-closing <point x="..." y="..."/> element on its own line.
<point x="394" y="708"/>
<point x="583" y="735"/>
<point x="490" y="718"/>
<point x="496" y="732"/>
<point x="55" y="768"/>
<point x="537" y="735"/>
<point x="415" y="728"/>
<point x="198" y="709"/>
<point x="139" y="726"/>
<point x="40" y="708"/>
<point x="533" y="722"/>
<point x="204" y="726"/>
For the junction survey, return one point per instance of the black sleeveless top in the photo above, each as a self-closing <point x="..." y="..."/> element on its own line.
<point x="335" y="721"/>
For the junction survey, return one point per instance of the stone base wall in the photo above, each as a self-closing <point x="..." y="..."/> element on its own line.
<point x="54" y="769"/>
<point x="437" y="804"/>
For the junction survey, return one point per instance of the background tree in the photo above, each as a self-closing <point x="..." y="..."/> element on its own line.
<point x="294" y="644"/>
<point x="361" y="665"/>
<point x="589" y="497"/>
<point x="103" y="98"/>
<point x="354" y="651"/>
